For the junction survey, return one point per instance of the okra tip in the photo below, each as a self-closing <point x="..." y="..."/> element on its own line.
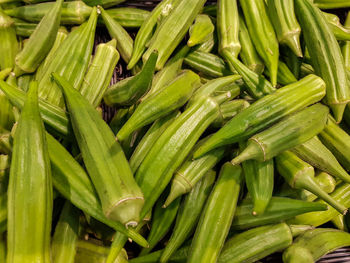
<point x="176" y="190"/>
<point x="338" y="111"/>
<point x="252" y="151"/>
<point x="293" y="42"/>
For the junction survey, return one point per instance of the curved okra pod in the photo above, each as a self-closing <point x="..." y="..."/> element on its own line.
<point x="331" y="4"/>
<point x="341" y="33"/>
<point x="288" y="133"/>
<point x="251" y="245"/>
<point x="317" y="154"/>
<point x="259" y="178"/>
<point x="257" y="85"/>
<point x="285" y="23"/>
<point x="100" y="72"/>
<point x="121" y="198"/>
<point x="325" y="181"/>
<point x="217" y="216"/>
<point x="285" y="76"/>
<point x="228" y="28"/>
<point x="8" y="45"/>
<point x="262" y="34"/>
<point x="31" y="175"/>
<point x="200" y="31"/>
<point x="70" y="60"/>
<point x="128" y="91"/>
<point x="73" y="12"/>
<point x="188" y="215"/>
<point x="41" y="41"/>
<point x="300" y="175"/>
<point x="255" y="118"/>
<point x="116" y="31"/>
<point x="325" y="56"/>
<point x="248" y="52"/>
<point x="279" y="209"/>
<point x="228" y="110"/>
<point x="161" y="103"/>
<point x="172" y="30"/>
<point x="313" y="244"/>
<point x="66" y="235"/>
<point x="337" y="141"/>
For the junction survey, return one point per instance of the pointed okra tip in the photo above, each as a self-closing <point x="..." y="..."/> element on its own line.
<point x="338" y="111"/>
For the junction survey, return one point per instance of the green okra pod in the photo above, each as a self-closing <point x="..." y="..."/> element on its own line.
<point x="201" y="30"/>
<point x="104" y="3"/>
<point x="172" y="30"/>
<point x="251" y="246"/>
<point x="318" y="155"/>
<point x="179" y="256"/>
<point x="70" y="60"/>
<point x="285" y="23"/>
<point x="315" y="243"/>
<point x="121" y="198"/>
<point x="5" y="143"/>
<point x="326" y="57"/>
<point x="188" y="215"/>
<point x="24" y="81"/>
<point x="29" y="214"/>
<point x="262" y="33"/>
<point x="41" y="41"/>
<point x="339" y="222"/>
<point x="8" y="44"/>
<point x="291" y="60"/>
<point x="341" y="33"/>
<point x="346" y="46"/>
<point x="5" y="73"/>
<point x="331" y="4"/>
<point x="129" y="17"/>
<point x="255" y="118"/>
<point x="228" y="110"/>
<point x="100" y="72"/>
<point x="24" y="28"/>
<point x="161" y="103"/>
<point x="66" y="235"/>
<point x="116" y="31"/>
<point x="7" y="118"/>
<point x="285" y="76"/>
<point x="288" y="133"/>
<point x="279" y="209"/>
<point x="73" y="12"/>
<point x="325" y="181"/>
<point x="300" y="175"/>
<point x="228" y="28"/>
<point x="337" y="141"/>
<point x="217" y="216"/>
<point x="128" y="91"/>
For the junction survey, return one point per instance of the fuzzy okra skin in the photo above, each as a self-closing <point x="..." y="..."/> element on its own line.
<point x="172" y="30"/>
<point x="121" y="198"/>
<point x="189" y="214"/>
<point x="29" y="214"/>
<point x="128" y="91"/>
<point x="71" y="61"/>
<point x="41" y="41"/>
<point x="161" y="103"/>
<point x="326" y="57"/>
<point x="100" y="72"/>
<point x="262" y="33"/>
<point x="315" y="243"/>
<point x="217" y="216"/>
<point x="201" y="30"/>
<point x="256" y="243"/>
<point x="266" y="111"/>
<point x="8" y="44"/>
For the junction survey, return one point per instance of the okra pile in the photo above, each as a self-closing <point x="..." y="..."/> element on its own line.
<point x="230" y="139"/>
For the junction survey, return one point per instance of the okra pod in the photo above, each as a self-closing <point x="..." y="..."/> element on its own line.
<point x="5" y="143"/>
<point x="8" y="45"/>
<point x="325" y="56"/>
<point x="253" y="119"/>
<point x="337" y="141"/>
<point x="129" y="17"/>
<point x="100" y="72"/>
<point x="339" y="222"/>
<point x="104" y="3"/>
<point x="340" y="32"/>
<point x="285" y="76"/>
<point x="300" y="175"/>
<point x="29" y="214"/>
<point x="291" y="60"/>
<point x="41" y="41"/>
<point x="228" y="110"/>
<point x="7" y="118"/>
<point x="279" y="209"/>
<point x="262" y="34"/>
<point x="161" y="103"/>
<point x="188" y="215"/>
<point x="325" y="181"/>
<point x="105" y="161"/>
<point x="128" y="91"/>
<point x="24" y="81"/>
<point x="5" y="73"/>
<point x="217" y="216"/>
<point x="285" y="23"/>
<point x="346" y="45"/>
<point x="70" y="60"/>
<point x="330" y="4"/>
<point x="200" y="31"/>
<point x="172" y="30"/>
<point x="228" y="28"/>
<point x="313" y="244"/>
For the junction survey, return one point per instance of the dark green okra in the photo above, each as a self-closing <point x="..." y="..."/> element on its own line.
<point x="262" y="33"/>
<point x="29" y="214"/>
<point x="326" y="57"/>
<point x="313" y="244"/>
<point x="121" y="198"/>
<point x="188" y="215"/>
<point x="217" y="216"/>
<point x="161" y="103"/>
<point x="279" y="209"/>
<point x="128" y="91"/>
<point x="8" y="44"/>
<point x="266" y="111"/>
<point x="201" y="30"/>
